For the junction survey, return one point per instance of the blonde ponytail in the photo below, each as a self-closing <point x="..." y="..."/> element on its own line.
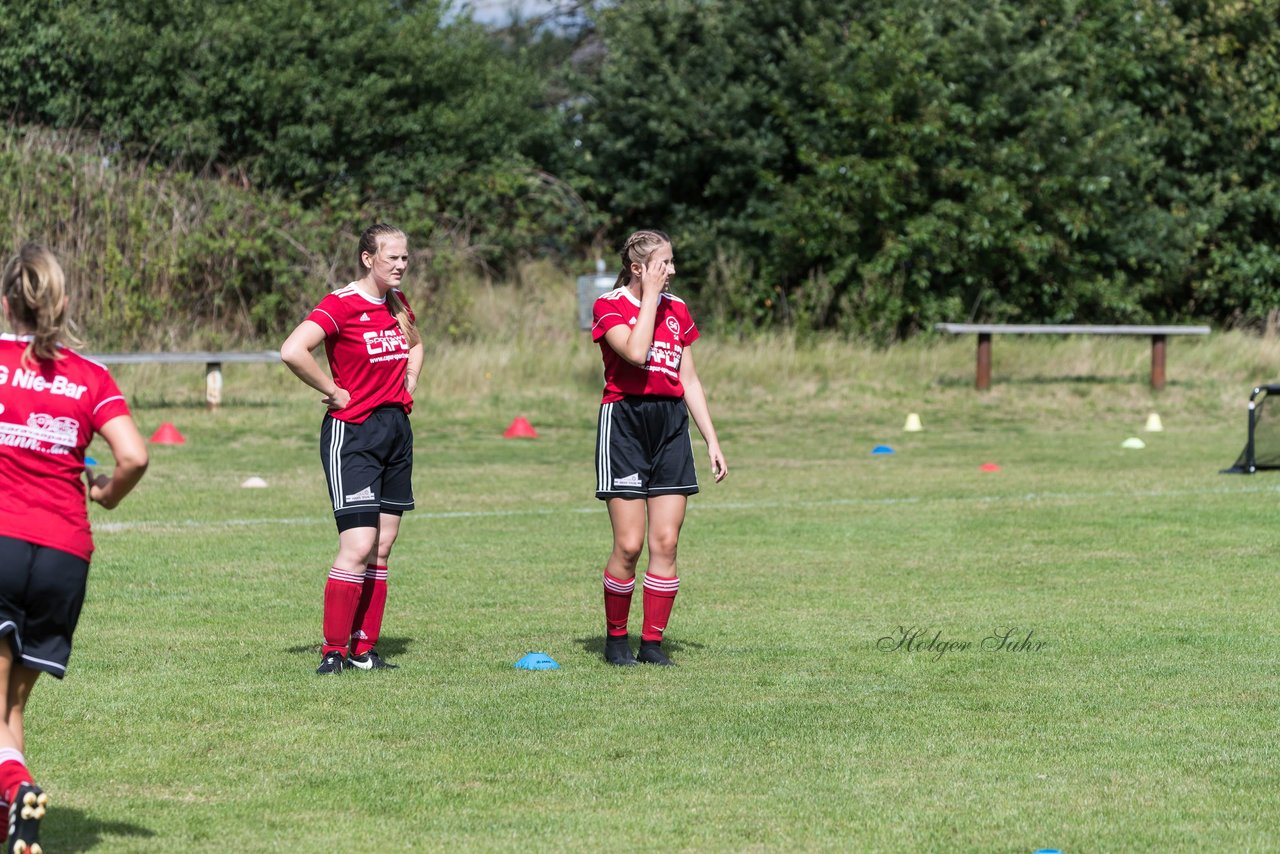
<point x="400" y="308"/>
<point x="35" y="288"/>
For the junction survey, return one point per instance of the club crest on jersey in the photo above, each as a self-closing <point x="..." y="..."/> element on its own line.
<point x="673" y="325"/>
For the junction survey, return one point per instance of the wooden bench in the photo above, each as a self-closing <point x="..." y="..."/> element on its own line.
<point x="984" y="331"/>
<point x="212" y="361"/>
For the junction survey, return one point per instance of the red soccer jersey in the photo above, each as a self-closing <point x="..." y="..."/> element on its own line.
<point x="368" y="354"/>
<point x="673" y="330"/>
<point x="49" y="411"/>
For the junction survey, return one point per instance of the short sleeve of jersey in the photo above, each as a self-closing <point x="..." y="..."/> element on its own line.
<point x="110" y="403"/>
<point x="688" y="329"/>
<point x="604" y="316"/>
<point x="326" y="314"/>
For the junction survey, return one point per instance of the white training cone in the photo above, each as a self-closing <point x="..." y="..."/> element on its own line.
<point x="1134" y="442"/>
<point x="254" y="483"/>
<point x="1153" y="424"/>
<point x="913" y="424"/>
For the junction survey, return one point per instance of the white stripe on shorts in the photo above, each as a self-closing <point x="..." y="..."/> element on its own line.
<point x="55" y="665"/>
<point x="604" y="475"/>
<point x="335" y="462"/>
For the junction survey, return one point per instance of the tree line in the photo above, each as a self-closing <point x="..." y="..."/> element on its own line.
<point x="867" y="166"/>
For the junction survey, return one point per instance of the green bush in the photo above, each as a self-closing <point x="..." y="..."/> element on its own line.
<point x="880" y="166"/>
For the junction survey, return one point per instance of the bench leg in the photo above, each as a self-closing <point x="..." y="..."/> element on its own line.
<point x="213" y="384"/>
<point x="1157" y="361"/>
<point x="984" y="361"/>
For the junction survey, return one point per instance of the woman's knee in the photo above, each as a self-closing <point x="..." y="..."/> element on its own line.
<point x="628" y="548"/>
<point x="663" y="543"/>
<point x="357" y="545"/>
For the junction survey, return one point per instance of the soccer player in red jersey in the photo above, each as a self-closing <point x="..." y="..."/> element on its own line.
<point x="52" y="402"/>
<point x="644" y="462"/>
<point x="366" y="443"/>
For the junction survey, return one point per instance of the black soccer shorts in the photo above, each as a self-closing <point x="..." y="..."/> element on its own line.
<point x="643" y="449"/>
<point x="41" y="593"/>
<point x="369" y="467"/>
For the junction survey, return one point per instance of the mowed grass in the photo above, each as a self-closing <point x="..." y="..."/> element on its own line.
<point x="1140" y="714"/>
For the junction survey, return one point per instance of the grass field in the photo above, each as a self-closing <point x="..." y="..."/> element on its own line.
<point x="1140" y="715"/>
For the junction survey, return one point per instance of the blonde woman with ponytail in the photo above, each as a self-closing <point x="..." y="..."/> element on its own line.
<point x="644" y="462"/>
<point x="52" y="402"/>
<point x="375" y="353"/>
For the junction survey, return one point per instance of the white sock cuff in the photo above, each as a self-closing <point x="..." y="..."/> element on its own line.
<point x="622" y="588"/>
<point x="661" y="585"/>
<point x="336" y="574"/>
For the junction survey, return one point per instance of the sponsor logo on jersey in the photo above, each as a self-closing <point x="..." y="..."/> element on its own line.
<point x="382" y="342"/>
<point x="365" y="494"/>
<point x="365" y="316"/>
<point x="629" y="480"/>
<point x="673" y="325"/>
<point x="46" y="433"/>
<point x="33" y="381"/>
<point x="664" y="357"/>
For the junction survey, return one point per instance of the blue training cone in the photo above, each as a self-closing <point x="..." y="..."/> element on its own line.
<point x="882" y="449"/>
<point x="537" y="661"/>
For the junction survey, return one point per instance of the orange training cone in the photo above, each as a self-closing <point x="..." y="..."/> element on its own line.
<point x="167" y="434"/>
<point x="520" y="429"/>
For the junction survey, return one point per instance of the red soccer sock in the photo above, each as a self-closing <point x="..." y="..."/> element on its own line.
<point x="341" y="597"/>
<point x="373" y="602"/>
<point x="659" y="596"/>
<point x="13" y="773"/>
<point x="617" y="604"/>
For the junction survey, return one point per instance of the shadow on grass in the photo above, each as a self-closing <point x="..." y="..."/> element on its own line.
<point x="74" y="830"/>
<point x="595" y="645"/>
<point x="388" y="647"/>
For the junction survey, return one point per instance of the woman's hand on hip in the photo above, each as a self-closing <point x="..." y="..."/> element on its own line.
<point x="338" y="400"/>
